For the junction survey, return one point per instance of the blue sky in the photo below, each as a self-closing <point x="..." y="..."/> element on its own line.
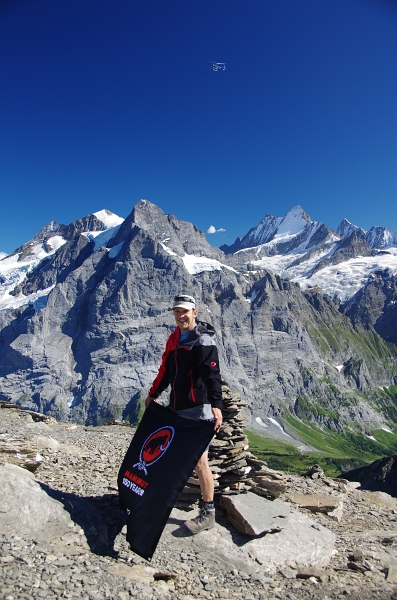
<point x="103" y="103"/>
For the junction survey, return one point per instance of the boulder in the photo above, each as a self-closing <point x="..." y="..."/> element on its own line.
<point x="317" y="502"/>
<point x="266" y="486"/>
<point x="254" y="515"/>
<point x="27" y="510"/>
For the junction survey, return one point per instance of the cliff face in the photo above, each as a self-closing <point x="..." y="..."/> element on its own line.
<point x="92" y="346"/>
<point x="374" y="306"/>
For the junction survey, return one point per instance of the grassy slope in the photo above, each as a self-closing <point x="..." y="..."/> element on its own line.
<point x="336" y="452"/>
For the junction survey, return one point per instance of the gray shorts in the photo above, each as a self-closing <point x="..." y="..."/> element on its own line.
<point x="197" y="413"/>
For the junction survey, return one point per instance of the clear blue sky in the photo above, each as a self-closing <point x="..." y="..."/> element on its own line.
<point x="106" y="102"/>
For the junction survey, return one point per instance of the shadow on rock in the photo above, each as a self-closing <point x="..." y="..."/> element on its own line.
<point x="181" y="530"/>
<point x="99" y="517"/>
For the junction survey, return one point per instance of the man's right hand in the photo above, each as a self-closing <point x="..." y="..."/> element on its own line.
<point x="148" y="400"/>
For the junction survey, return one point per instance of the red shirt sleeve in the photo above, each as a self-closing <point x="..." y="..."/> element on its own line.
<point x="162" y="380"/>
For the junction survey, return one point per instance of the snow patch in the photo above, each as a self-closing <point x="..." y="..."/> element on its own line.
<point x="56" y="242"/>
<point x="38" y="300"/>
<point x="253" y="296"/>
<point x="386" y="428"/>
<point x="70" y="400"/>
<point x="197" y="264"/>
<point x="108" y="218"/>
<point x="168" y="250"/>
<point x="101" y="238"/>
<point x="342" y="280"/>
<point x="345" y="279"/>
<point x="278" y="425"/>
<point x="273" y="422"/>
<point x="113" y="252"/>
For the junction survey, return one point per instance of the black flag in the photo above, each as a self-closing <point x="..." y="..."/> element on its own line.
<point x="161" y="457"/>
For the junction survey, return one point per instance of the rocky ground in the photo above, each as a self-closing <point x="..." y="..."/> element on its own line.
<point x="91" y="559"/>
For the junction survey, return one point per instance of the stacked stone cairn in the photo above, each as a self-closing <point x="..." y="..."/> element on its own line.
<point x="235" y="469"/>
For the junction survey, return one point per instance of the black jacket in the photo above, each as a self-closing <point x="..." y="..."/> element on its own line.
<point x="191" y="368"/>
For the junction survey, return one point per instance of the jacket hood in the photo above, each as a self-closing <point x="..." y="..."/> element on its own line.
<point x="202" y="327"/>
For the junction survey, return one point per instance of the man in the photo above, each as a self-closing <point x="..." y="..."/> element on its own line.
<point x="190" y="364"/>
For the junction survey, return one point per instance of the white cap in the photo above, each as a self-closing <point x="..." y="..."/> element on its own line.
<point x="184" y="301"/>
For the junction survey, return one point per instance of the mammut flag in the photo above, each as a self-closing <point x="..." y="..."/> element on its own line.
<point x="161" y="457"/>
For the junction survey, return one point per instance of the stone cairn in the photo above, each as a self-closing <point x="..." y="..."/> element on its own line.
<point x="235" y="469"/>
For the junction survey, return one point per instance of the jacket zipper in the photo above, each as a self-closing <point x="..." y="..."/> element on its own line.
<point x="176" y="373"/>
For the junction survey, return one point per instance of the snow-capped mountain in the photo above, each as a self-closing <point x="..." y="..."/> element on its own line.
<point x="278" y="235"/>
<point x="99" y="228"/>
<point x="339" y="263"/>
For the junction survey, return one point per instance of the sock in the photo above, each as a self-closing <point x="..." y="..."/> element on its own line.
<point x="209" y="505"/>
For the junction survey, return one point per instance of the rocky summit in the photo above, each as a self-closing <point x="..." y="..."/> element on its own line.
<point x="61" y="535"/>
<point x="85" y="315"/>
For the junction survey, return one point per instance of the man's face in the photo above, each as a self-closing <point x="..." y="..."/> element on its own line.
<point x="184" y="318"/>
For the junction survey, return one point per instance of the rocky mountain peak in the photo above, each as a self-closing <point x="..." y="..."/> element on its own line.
<point x="381" y="238"/>
<point x="52" y="228"/>
<point x="84" y="225"/>
<point x="147" y="215"/>
<point x="345" y="228"/>
<point x="173" y="235"/>
<point x="297" y="213"/>
<point x="276" y="235"/>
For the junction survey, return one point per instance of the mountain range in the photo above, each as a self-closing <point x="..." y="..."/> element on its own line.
<point x="305" y="318"/>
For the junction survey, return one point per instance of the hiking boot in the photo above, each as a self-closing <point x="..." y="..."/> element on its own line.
<point x="205" y="520"/>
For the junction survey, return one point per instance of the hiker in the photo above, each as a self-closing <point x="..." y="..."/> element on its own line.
<point x="190" y="364"/>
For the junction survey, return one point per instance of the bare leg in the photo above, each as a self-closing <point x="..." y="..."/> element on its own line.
<point x="205" y="478"/>
<point x="206" y="518"/>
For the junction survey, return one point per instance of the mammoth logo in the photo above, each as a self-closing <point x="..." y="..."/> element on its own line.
<point x="154" y="447"/>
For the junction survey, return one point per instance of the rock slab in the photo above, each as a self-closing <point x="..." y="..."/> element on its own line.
<point x="254" y="515"/>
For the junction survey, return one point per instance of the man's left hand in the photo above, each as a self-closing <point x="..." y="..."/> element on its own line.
<point x="218" y="418"/>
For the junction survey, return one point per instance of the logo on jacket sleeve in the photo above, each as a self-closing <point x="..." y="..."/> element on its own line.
<point x="154" y="447"/>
